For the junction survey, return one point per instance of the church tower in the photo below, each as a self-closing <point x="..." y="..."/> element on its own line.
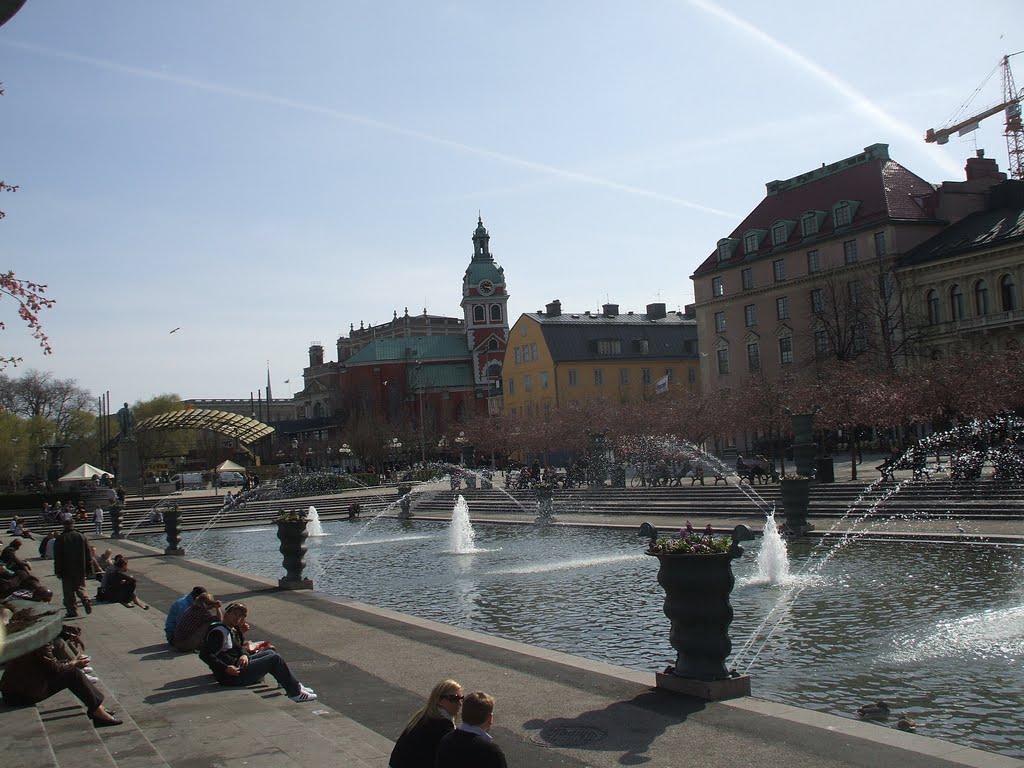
<point x="484" y="305"/>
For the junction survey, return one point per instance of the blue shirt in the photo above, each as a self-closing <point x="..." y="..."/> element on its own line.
<point x="178" y="607"/>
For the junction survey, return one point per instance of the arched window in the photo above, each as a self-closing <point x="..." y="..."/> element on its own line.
<point x="493" y="371"/>
<point x="478" y="313"/>
<point x="956" y="303"/>
<point x="934" y="307"/>
<point x="318" y="410"/>
<point x="496" y="313"/>
<point x="1007" y="293"/>
<point x="980" y="298"/>
<point x="492" y="345"/>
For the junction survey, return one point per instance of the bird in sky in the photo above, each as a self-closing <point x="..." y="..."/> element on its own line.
<point x="177" y="329"/>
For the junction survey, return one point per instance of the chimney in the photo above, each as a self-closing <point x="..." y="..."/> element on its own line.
<point x="554" y="309"/>
<point x="982" y="167"/>
<point x="656" y="311"/>
<point x="609" y="310"/>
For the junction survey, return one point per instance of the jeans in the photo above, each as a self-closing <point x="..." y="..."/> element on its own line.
<point x="266" y="662"/>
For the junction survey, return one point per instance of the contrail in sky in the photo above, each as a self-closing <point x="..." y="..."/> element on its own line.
<point x="370" y="122"/>
<point x="863" y="104"/>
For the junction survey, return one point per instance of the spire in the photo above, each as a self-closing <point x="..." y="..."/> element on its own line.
<point x="481" y="251"/>
<point x="269" y="396"/>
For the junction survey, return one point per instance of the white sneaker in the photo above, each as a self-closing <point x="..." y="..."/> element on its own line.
<point x="87" y="670"/>
<point x="304" y="695"/>
<point x="306" y="688"/>
<point x="92" y="678"/>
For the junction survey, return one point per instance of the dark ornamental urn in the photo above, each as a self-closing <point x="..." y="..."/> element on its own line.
<point x="697" y="589"/>
<point x="172" y="529"/>
<point x="404" y="502"/>
<point x="796" y="492"/>
<point x="116" y="517"/>
<point x="292" y="535"/>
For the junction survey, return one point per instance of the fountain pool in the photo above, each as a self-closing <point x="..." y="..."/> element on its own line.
<point x="937" y="630"/>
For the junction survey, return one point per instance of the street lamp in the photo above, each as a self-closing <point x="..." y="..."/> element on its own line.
<point x="419" y="391"/>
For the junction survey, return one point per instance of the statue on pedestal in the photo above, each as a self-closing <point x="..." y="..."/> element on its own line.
<point x="127" y="421"/>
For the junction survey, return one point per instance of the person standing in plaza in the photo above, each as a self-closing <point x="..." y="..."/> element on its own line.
<point x="470" y="745"/>
<point x="71" y="564"/>
<point x="97" y="520"/>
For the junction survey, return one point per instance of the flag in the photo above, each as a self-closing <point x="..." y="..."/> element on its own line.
<point x="661" y="385"/>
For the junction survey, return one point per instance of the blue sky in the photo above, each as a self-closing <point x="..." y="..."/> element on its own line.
<point x="262" y="175"/>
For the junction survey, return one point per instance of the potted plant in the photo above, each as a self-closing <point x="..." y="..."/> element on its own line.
<point x="695" y="570"/>
<point x="291" y="532"/>
<point x="796" y="493"/>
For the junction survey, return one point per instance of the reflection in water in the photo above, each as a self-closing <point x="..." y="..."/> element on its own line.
<point x="935" y="629"/>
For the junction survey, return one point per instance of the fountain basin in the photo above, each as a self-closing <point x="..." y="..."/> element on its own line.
<point x="938" y="630"/>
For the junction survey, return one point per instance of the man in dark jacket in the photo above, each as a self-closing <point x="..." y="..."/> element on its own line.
<point x="71" y="564"/>
<point x="470" y="745"/>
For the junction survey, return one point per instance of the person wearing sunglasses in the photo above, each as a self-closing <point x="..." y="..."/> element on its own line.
<point x="417" y="744"/>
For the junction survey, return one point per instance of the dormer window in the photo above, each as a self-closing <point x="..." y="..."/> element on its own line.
<point x="751" y="242"/>
<point x="726" y="246"/>
<point x="841" y="214"/>
<point x="844" y="212"/>
<point x="810" y="223"/>
<point x="780" y="233"/>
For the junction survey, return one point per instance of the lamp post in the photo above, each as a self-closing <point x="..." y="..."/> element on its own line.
<point x="419" y="393"/>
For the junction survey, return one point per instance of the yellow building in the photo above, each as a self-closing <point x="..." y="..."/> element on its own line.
<point x="555" y="359"/>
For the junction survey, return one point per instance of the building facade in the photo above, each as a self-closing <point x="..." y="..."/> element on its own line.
<point x="555" y="359"/>
<point x="812" y="271"/>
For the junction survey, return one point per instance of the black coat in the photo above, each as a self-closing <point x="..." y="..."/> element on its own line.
<point x="462" y="749"/>
<point x="71" y="558"/>
<point x="416" y="747"/>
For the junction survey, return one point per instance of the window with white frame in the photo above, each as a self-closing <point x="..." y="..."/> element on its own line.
<point x="519" y="354"/>
<point x="841" y="214"/>
<point x="496" y="313"/>
<point x="717" y="287"/>
<point x="809" y="224"/>
<point x="533" y="351"/>
<point x="753" y="357"/>
<point x="854" y="292"/>
<point x="645" y="375"/>
<point x="723" y="361"/>
<point x="780" y="233"/>
<point x="880" y="249"/>
<point x="782" y="307"/>
<point x="817" y="301"/>
<point x="543" y="379"/>
<point x="934" y="306"/>
<point x="813" y="262"/>
<point x="980" y="298"/>
<point x="609" y="347"/>
<point x="527" y="383"/>
<point x="747" y="278"/>
<point x="786" y="350"/>
<point x="719" y="322"/>
<point x="511" y="385"/>
<point x="750" y="242"/>
<point x="750" y="315"/>
<point x="849" y="251"/>
<point x="598" y="377"/>
<point x="574" y="377"/>
<point x="821" y="345"/>
<point x="956" y="303"/>
<point x="623" y="375"/>
<point x="779" y="270"/>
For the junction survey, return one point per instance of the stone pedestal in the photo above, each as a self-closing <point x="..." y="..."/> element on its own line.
<point x="709" y="690"/>
<point x="129" y="467"/>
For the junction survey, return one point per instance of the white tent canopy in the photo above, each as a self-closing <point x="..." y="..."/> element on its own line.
<point x="84" y="472"/>
<point x="229" y="466"/>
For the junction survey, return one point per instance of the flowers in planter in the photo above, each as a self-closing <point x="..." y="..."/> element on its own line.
<point x="691" y="542"/>
<point x="793" y="476"/>
<point x="291" y="516"/>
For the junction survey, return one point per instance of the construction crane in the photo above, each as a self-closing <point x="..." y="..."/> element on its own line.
<point x="1011" y="106"/>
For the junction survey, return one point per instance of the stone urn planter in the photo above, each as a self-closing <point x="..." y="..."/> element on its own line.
<point x="292" y="535"/>
<point x="796" y="492"/>
<point x="698" y="580"/>
<point x="172" y="529"/>
<point x="545" y="504"/>
<point x="116" y="516"/>
<point x="404" y="502"/>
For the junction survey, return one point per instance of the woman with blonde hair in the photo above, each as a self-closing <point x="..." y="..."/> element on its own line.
<point x="417" y="745"/>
